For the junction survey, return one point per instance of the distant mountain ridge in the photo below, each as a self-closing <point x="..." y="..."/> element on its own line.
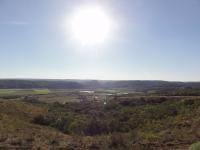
<point x="93" y="84"/>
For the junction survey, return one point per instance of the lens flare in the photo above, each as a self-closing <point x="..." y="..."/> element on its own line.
<point x="90" y="25"/>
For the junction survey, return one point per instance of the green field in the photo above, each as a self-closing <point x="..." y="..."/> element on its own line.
<point x="12" y="92"/>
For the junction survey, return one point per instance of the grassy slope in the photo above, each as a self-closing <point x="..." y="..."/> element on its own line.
<point x="17" y="131"/>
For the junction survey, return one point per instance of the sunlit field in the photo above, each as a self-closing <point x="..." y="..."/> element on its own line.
<point x="15" y="92"/>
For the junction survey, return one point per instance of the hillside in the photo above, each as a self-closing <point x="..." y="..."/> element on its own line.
<point x="122" y="123"/>
<point x="78" y="84"/>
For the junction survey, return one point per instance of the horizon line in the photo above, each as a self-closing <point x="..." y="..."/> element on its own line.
<point x="94" y="79"/>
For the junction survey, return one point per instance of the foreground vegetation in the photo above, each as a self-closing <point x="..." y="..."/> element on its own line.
<point x="68" y="119"/>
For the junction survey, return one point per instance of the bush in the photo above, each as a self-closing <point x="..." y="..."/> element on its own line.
<point x="42" y="120"/>
<point x="165" y="111"/>
<point x="117" y="141"/>
<point x="77" y="127"/>
<point x="61" y="124"/>
<point x="114" y="125"/>
<point x="95" y="127"/>
<point x="195" y="146"/>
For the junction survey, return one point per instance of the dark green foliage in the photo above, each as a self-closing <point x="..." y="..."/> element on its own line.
<point x="164" y="110"/>
<point x="118" y="141"/>
<point x="195" y="146"/>
<point x="43" y="120"/>
<point x="77" y="127"/>
<point x="95" y="127"/>
<point x="61" y="123"/>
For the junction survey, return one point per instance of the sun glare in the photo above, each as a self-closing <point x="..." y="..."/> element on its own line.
<point x="90" y="25"/>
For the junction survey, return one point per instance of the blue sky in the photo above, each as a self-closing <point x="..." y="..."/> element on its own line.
<point x="152" y="40"/>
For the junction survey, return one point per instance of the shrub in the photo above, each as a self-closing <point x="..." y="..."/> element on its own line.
<point x="188" y="102"/>
<point x="95" y="127"/>
<point x="42" y="120"/>
<point x="114" y="125"/>
<point x="195" y="146"/>
<point x="77" y="127"/>
<point x="61" y="124"/>
<point x="117" y="141"/>
<point x="165" y="111"/>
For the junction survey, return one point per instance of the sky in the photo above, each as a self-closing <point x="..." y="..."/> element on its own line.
<point x="150" y="40"/>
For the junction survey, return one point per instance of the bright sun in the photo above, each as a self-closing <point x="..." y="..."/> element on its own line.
<point x="90" y="25"/>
